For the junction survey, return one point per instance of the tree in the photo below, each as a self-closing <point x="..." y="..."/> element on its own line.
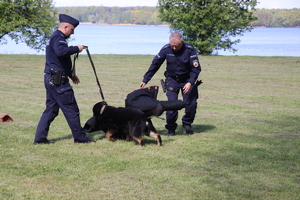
<point x="264" y="18"/>
<point x="289" y="18"/>
<point x="29" y="21"/>
<point x="208" y="24"/>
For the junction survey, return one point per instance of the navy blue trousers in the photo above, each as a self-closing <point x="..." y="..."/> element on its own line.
<point x="190" y="100"/>
<point x="60" y="97"/>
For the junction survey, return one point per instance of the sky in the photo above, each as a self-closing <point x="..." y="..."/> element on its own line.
<point x="268" y="4"/>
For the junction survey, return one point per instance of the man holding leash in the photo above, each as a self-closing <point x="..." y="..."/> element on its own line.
<point x="182" y="71"/>
<point x="59" y="92"/>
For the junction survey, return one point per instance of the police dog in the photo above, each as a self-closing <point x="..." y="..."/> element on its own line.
<point x="130" y="122"/>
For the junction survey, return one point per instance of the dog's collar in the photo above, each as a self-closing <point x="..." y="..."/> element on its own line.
<point x="102" y="109"/>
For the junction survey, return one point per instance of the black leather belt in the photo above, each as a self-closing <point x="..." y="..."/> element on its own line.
<point x="180" y="78"/>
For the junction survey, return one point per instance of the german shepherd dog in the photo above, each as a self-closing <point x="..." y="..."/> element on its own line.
<point x="130" y="122"/>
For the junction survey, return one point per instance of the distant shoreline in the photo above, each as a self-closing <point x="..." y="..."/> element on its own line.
<point x="90" y="23"/>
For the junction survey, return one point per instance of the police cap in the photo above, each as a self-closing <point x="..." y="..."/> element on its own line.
<point x="68" y="19"/>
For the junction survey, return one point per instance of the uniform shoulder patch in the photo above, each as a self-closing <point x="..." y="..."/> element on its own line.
<point x="195" y="63"/>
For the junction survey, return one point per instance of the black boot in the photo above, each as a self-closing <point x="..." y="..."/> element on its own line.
<point x="170" y="133"/>
<point x="188" y="129"/>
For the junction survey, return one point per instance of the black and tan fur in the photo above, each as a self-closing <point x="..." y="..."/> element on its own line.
<point x="130" y="122"/>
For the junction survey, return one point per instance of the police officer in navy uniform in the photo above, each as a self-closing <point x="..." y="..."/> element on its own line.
<point x="59" y="92"/>
<point x="182" y="71"/>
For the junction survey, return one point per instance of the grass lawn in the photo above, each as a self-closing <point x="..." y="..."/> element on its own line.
<point x="246" y="143"/>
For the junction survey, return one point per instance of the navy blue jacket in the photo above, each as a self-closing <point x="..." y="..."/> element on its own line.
<point x="180" y="63"/>
<point x="58" y="54"/>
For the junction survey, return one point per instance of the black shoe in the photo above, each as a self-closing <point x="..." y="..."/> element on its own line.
<point x="44" y="142"/>
<point x="88" y="141"/>
<point x="188" y="129"/>
<point x="171" y="133"/>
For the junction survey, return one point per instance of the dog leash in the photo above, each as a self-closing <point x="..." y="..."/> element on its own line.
<point x="93" y="66"/>
<point x="73" y="67"/>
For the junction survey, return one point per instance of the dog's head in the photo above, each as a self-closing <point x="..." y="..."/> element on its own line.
<point x="99" y="108"/>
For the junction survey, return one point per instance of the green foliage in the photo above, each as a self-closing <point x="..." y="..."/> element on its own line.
<point x="264" y="18"/>
<point x="277" y="18"/>
<point x="149" y="16"/>
<point x="30" y="21"/>
<point x="114" y="15"/>
<point x="208" y="25"/>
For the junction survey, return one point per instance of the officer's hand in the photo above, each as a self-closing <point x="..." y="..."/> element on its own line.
<point x="75" y="80"/>
<point x="187" y="87"/>
<point x="80" y="47"/>
<point x="142" y="85"/>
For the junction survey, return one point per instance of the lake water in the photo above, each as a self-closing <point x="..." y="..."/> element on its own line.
<point x="119" y="39"/>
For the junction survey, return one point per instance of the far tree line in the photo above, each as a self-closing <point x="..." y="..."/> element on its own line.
<point x="149" y="16"/>
<point x="207" y="25"/>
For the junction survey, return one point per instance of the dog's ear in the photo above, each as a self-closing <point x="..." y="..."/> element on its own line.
<point x="103" y="103"/>
<point x="97" y="107"/>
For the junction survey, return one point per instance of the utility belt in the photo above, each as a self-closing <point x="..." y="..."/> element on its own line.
<point x="179" y="78"/>
<point x="58" y="77"/>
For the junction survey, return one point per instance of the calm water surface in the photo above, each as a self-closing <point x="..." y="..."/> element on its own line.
<point x="115" y="39"/>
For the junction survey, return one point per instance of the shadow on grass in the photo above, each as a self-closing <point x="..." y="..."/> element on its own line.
<point x="99" y="135"/>
<point x="96" y="135"/>
<point x="196" y="127"/>
<point x="63" y="138"/>
<point x="93" y="135"/>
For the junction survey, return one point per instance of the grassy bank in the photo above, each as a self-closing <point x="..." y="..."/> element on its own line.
<point x="246" y="143"/>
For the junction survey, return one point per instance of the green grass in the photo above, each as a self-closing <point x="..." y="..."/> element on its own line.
<point x="246" y="143"/>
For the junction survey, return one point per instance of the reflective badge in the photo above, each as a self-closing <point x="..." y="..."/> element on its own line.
<point x="195" y="63"/>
